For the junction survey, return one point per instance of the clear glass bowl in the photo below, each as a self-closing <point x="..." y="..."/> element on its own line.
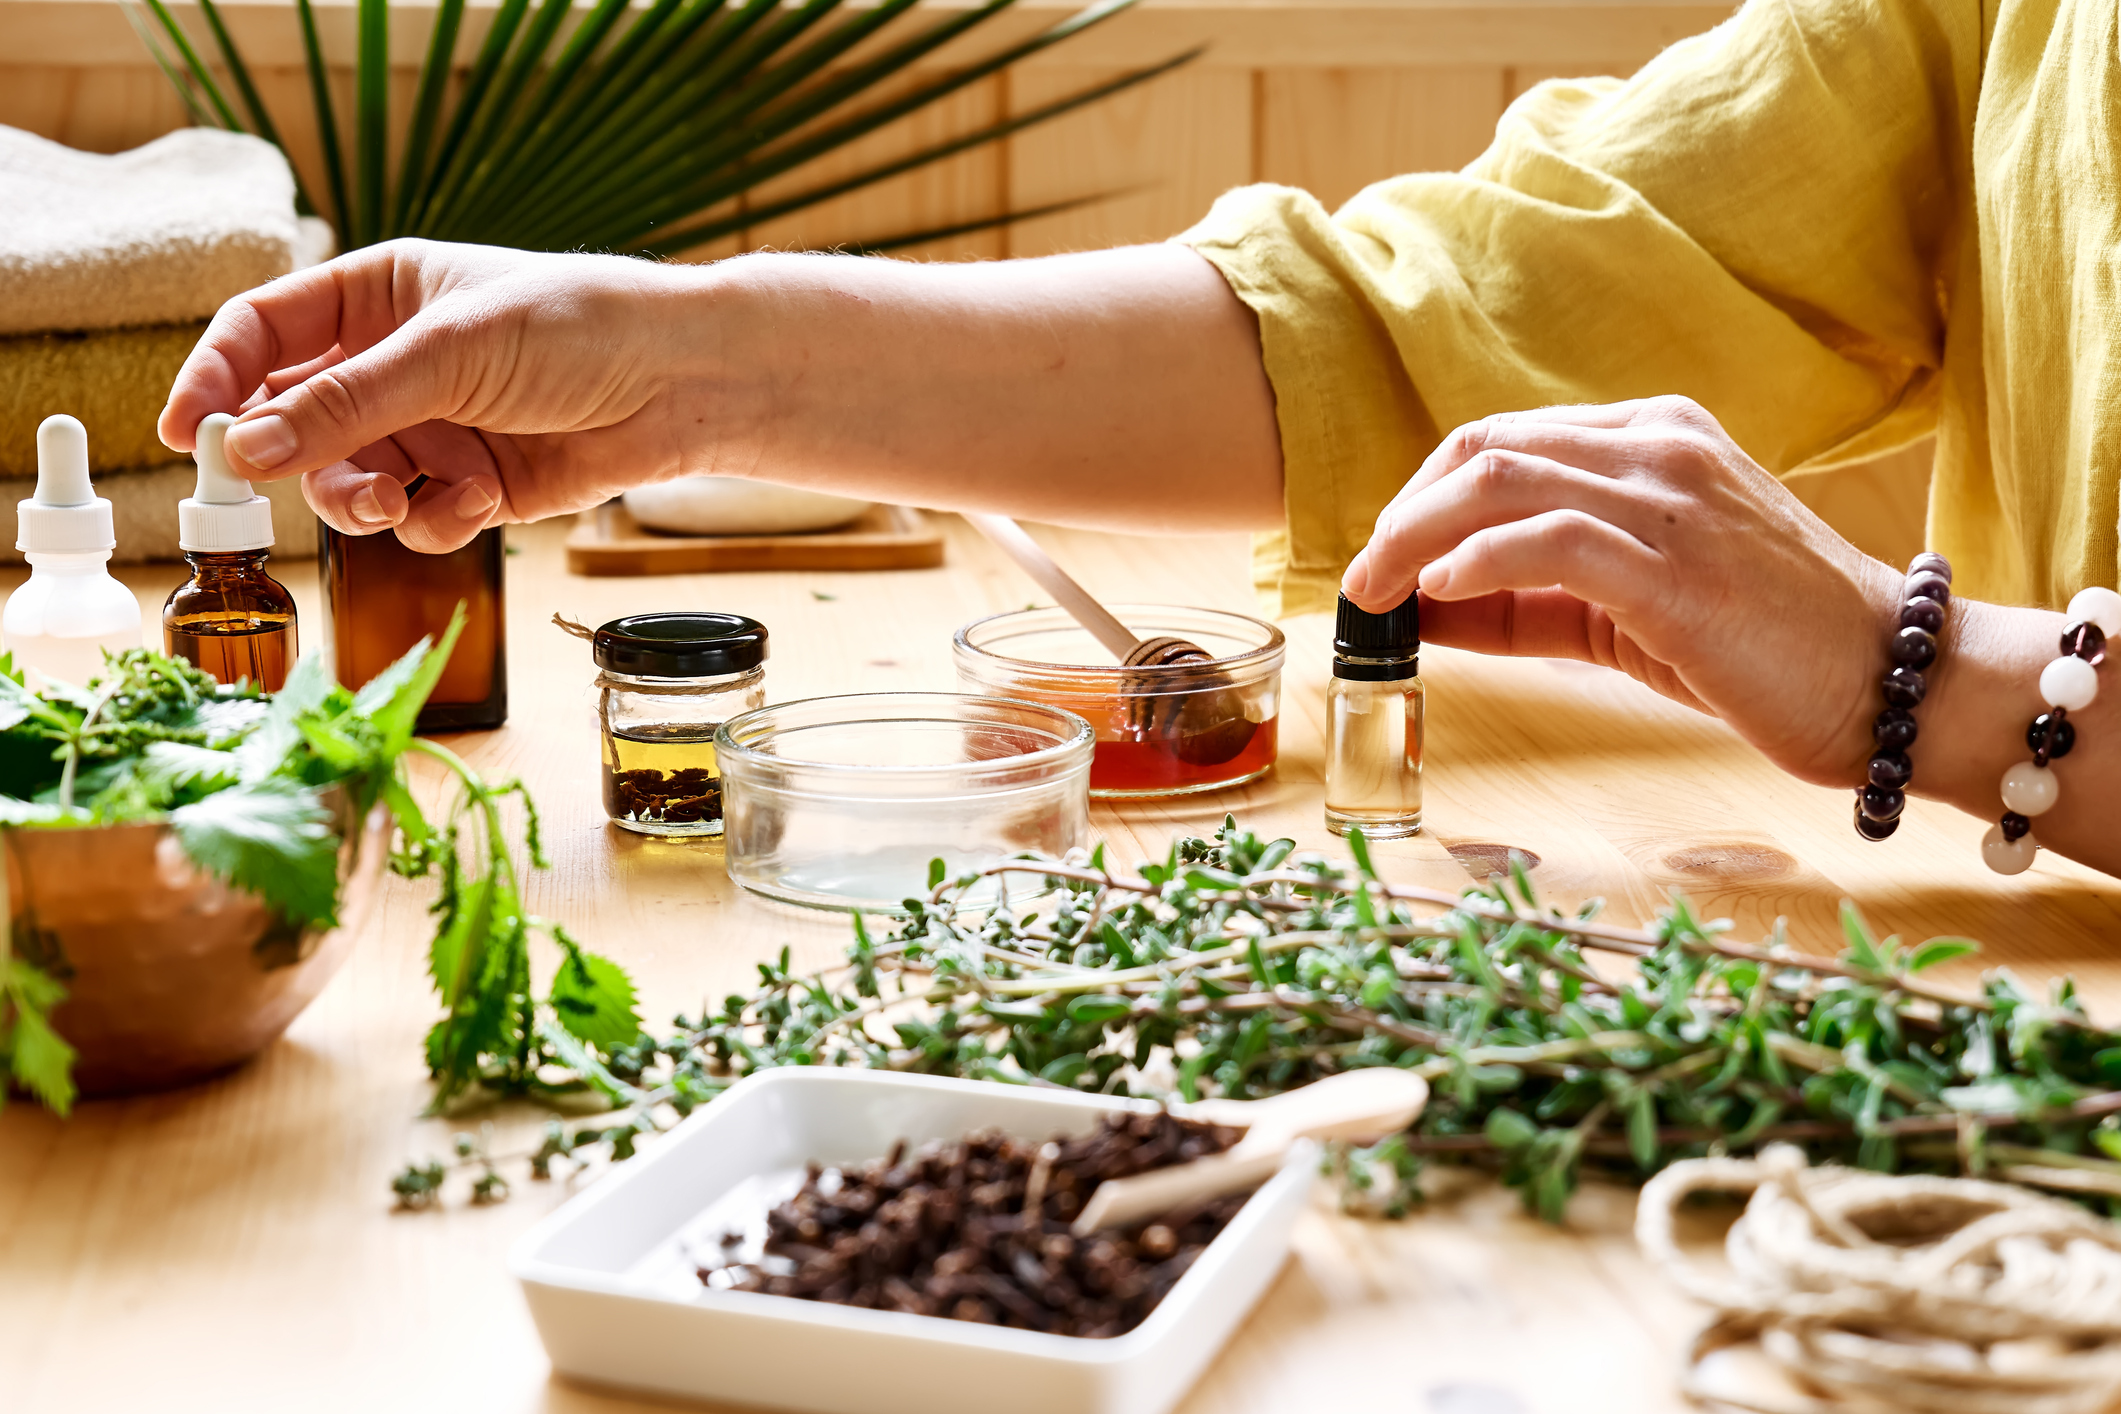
<point x="841" y="802"/>
<point x="1173" y="730"/>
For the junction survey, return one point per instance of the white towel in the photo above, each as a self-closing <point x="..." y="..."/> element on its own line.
<point x="162" y="234"/>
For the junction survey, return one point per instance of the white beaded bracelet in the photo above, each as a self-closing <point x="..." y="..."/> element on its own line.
<point x="2069" y="684"/>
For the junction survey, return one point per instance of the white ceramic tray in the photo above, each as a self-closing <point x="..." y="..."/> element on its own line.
<point x="611" y="1284"/>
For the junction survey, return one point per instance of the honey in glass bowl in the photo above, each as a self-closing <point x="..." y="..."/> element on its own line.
<point x="1175" y="729"/>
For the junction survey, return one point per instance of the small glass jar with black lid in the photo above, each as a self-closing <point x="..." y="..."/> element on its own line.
<point x="665" y="682"/>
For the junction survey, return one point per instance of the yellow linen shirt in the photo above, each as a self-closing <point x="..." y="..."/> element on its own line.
<point x="1839" y="225"/>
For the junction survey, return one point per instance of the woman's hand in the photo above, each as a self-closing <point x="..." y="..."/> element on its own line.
<point x="1638" y="536"/>
<point x="520" y="385"/>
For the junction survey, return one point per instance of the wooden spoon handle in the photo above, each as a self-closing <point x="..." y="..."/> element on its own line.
<point x="1123" y="1202"/>
<point x="1010" y="539"/>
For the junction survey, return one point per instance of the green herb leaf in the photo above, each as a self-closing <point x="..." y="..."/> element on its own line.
<point x="593" y="998"/>
<point x="273" y="839"/>
<point x="1929" y="954"/>
<point x="1863" y="948"/>
<point x="393" y="698"/>
<point x="1095" y="1009"/>
<point x="39" y="1061"/>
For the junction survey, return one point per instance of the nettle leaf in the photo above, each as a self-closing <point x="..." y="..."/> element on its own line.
<point x="594" y="999"/>
<point x="40" y="1061"/>
<point x="272" y="838"/>
<point x="173" y="768"/>
<point x="265" y="750"/>
<point x="393" y="698"/>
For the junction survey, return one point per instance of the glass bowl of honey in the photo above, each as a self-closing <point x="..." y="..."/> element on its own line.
<point x="1162" y="729"/>
<point x="846" y="802"/>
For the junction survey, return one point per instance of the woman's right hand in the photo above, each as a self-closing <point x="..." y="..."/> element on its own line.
<point x="520" y="385"/>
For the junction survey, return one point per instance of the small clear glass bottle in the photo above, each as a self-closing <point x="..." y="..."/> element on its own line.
<point x="664" y="683"/>
<point x="231" y="619"/>
<point x="1373" y="722"/>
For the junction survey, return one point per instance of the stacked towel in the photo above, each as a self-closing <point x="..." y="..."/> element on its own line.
<point x="109" y="268"/>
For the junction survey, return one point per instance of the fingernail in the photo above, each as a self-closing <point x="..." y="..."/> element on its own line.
<point x="1356" y="579"/>
<point x="367" y="508"/>
<point x="474" y="501"/>
<point x="1435" y="579"/>
<point x="263" y="443"/>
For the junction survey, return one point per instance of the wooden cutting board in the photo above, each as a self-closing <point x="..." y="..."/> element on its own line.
<point x="608" y="541"/>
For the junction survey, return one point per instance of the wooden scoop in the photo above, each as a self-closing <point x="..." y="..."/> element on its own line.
<point x="1205" y="727"/>
<point x="1357" y="1106"/>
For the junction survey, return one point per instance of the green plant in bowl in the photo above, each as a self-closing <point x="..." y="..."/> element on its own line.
<point x="181" y="856"/>
<point x="635" y="130"/>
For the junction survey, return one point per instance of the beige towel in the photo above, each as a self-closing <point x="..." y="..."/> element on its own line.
<point x="114" y="380"/>
<point x="144" y="506"/>
<point x="159" y="235"/>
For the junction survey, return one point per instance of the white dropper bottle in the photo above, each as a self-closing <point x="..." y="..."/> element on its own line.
<point x="71" y="610"/>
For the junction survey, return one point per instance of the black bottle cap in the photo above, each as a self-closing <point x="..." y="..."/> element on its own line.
<point x="1390" y="642"/>
<point x="680" y="645"/>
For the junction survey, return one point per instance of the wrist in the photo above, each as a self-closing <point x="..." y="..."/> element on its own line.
<point x="715" y="364"/>
<point x="1983" y="691"/>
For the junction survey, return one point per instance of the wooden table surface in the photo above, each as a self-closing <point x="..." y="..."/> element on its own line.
<point x="232" y="1246"/>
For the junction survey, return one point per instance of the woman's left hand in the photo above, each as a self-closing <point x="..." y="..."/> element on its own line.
<point x="1639" y="536"/>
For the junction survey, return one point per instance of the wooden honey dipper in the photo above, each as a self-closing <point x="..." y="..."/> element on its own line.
<point x="1206" y="726"/>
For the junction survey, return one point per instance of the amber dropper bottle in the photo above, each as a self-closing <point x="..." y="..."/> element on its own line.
<point x="231" y="619"/>
<point x="1373" y="722"/>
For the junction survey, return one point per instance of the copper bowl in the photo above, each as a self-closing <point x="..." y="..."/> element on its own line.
<point x="171" y="975"/>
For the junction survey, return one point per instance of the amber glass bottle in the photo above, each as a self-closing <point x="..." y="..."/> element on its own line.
<point x="230" y="619"/>
<point x="382" y="598"/>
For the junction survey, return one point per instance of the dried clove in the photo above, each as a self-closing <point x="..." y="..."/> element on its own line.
<point x="978" y="1230"/>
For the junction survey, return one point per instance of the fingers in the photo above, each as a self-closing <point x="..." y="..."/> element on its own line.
<point x="461" y="496"/>
<point x="1494" y="488"/>
<point x="1627" y="445"/>
<point x="291" y="321"/>
<point x="1580" y="554"/>
<point x="354" y="501"/>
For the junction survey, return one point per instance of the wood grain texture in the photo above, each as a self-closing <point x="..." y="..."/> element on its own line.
<point x="1335" y="131"/>
<point x="1159" y="153"/>
<point x="608" y="541"/>
<point x="230" y="1247"/>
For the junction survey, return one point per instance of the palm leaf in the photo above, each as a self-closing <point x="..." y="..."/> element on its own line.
<point x="327" y="124"/>
<point x="641" y="122"/>
<point x="694" y="236"/>
<point x="740" y="165"/>
<point x="640" y="52"/>
<point x="178" y="79"/>
<point x="372" y="115"/>
<point x="427" y="107"/>
<point x="198" y="71"/>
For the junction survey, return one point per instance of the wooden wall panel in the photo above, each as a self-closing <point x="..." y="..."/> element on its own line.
<point x="96" y="108"/>
<point x="968" y="187"/>
<point x="1167" y="148"/>
<point x="1334" y="131"/>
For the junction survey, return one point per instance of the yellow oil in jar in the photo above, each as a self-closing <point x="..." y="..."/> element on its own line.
<point x="663" y="780"/>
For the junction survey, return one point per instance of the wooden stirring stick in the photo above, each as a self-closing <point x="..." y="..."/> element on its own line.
<point x="1210" y="726"/>
<point x="1358" y="1106"/>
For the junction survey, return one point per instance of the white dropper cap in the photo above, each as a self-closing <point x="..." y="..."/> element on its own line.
<point x="66" y="516"/>
<point x="224" y="515"/>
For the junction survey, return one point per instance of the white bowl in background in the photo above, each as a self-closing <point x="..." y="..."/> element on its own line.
<point x="732" y="505"/>
<point x="611" y="1282"/>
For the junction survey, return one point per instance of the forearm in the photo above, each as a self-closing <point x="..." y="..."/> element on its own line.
<point x="1984" y="691"/>
<point x="1119" y="389"/>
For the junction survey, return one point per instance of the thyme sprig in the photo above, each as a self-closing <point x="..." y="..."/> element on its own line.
<point x="1237" y="967"/>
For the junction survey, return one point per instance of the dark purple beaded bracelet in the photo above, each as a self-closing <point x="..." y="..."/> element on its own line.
<point x="1912" y="648"/>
